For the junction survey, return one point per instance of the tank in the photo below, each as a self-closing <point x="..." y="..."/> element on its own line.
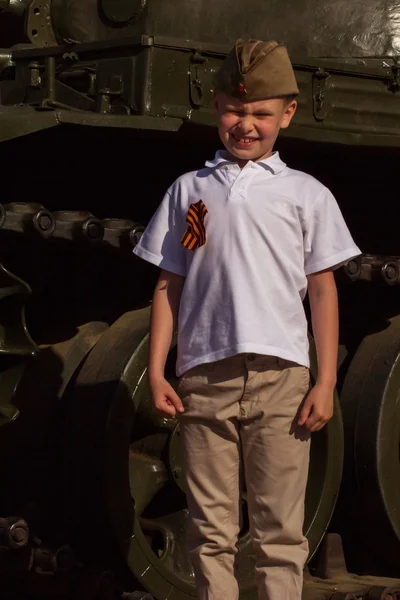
<point x="102" y="105"/>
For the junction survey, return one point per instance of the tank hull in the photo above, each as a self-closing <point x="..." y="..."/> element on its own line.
<point x="103" y="105"/>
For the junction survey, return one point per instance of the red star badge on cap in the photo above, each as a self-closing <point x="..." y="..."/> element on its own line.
<point x="242" y="89"/>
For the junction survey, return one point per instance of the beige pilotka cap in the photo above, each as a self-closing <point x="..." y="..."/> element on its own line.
<point x="256" y="70"/>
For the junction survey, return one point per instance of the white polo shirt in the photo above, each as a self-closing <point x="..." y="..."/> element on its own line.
<point x="267" y="228"/>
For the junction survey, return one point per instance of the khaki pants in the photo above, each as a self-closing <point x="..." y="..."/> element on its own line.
<point x="245" y="406"/>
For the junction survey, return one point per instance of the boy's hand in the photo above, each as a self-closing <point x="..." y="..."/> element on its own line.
<point x="318" y="408"/>
<point x="166" y="401"/>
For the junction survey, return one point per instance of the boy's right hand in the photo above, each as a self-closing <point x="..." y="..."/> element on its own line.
<point x="165" y="400"/>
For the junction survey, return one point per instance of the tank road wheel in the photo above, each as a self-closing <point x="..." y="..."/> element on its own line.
<point x="370" y="498"/>
<point x="118" y="449"/>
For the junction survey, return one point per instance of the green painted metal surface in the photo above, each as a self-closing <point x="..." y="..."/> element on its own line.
<point x="91" y="64"/>
<point x="172" y="91"/>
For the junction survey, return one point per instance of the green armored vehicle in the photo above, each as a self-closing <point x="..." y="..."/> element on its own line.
<point x="102" y="105"/>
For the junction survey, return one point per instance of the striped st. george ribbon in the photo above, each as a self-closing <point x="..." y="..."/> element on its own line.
<point x="195" y="234"/>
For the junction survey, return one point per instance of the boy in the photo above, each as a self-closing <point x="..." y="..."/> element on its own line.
<point x="239" y="242"/>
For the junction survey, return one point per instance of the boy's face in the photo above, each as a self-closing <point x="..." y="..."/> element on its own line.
<point x="248" y="130"/>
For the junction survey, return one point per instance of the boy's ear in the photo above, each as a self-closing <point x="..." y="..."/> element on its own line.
<point x="289" y="114"/>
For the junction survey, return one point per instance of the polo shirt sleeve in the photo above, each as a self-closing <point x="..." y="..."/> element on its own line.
<point x="328" y="243"/>
<point x="160" y="242"/>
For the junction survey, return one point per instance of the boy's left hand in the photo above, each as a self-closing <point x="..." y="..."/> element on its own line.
<point x="318" y="408"/>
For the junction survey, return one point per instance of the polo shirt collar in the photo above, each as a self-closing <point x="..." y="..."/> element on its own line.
<point x="273" y="163"/>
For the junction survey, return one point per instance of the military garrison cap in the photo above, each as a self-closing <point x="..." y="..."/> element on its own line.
<point x="256" y="70"/>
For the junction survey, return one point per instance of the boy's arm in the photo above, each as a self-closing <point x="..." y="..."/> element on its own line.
<point x="318" y="407"/>
<point x="164" y="315"/>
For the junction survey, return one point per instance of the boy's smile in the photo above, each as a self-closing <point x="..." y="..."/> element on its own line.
<point x="244" y="142"/>
<point x="248" y="130"/>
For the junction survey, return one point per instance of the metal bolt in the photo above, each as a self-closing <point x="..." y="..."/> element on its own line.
<point x="35" y="78"/>
<point x="391" y="272"/>
<point x="19" y="534"/>
<point x="135" y="235"/>
<point x="14" y="533"/>
<point x="352" y="267"/>
<point x="44" y="223"/>
<point x="93" y="231"/>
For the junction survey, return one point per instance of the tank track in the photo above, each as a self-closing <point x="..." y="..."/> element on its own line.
<point x="33" y="219"/>
<point x="374" y="268"/>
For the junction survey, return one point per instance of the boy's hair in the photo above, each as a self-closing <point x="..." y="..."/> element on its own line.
<point x="256" y="70"/>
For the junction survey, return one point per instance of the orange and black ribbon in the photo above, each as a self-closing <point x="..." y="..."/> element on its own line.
<point x="195" y="234"/>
